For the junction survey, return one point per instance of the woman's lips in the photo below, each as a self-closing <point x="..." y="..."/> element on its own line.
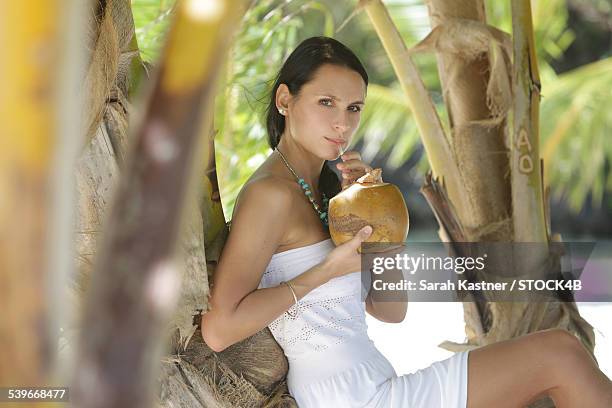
<point x="337" y="142"/>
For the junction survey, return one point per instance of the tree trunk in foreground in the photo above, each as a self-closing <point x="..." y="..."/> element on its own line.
<point x="33" y="108"/>
<point x="136" y="277"/>
<point x="250" y="373"/>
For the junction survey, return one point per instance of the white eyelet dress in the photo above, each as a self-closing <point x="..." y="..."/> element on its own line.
<point x="333" y="362"/>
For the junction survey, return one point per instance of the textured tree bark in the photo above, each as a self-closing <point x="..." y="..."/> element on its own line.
<point x="135" y="279"/>
<point x="114" y="69"/>
<point x="106" y="83"/>
<point x="248" y="374"/>
<point x="477" y="122"/>
<point x="507" y="201"/>
<point x="480" y="87"/>
<point x="527" y="195"/>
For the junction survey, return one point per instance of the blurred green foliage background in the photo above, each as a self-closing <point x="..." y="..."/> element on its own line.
<point x="573" y="40"/>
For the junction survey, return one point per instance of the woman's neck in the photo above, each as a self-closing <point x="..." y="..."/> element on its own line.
<point x="304" y="163"/>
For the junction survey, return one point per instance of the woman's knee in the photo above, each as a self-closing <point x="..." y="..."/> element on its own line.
<point x="564" y="350"/>
<point x="562" y="341"/>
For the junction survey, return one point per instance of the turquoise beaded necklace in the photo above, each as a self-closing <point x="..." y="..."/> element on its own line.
<point x="320" y="210"/>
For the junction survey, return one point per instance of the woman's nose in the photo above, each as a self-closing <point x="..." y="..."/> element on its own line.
<point x="341" y="128"/>
<point x="341" y="124"/>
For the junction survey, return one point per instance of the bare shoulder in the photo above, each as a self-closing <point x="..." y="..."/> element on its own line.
<point x="267" y="193"/>
<point x="264" y="203"/>
<point x="261" y="215"/>
<point x="259" y="222"/>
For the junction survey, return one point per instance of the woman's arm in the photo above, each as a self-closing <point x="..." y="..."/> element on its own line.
<point x="224" y="326"/>
<point x="388" y="308"/>
<point x="386" y="311"/>
<point x="238" y="308"/>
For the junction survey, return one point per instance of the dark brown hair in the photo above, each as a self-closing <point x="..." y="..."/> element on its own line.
<point x="298" y="69"/>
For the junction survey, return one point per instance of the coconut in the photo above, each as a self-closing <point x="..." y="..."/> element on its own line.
<point x="369" y="201"/>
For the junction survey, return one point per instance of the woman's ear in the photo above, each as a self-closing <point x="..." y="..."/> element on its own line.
<point x="283" y="97"/>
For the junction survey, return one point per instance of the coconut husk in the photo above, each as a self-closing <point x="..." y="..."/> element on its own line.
<point x="250" y="373"/>
<point x="469" y="40"/>
<point x="109" y="39"/>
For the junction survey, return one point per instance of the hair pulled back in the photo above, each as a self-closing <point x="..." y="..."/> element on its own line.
<point x="298" y="69"/>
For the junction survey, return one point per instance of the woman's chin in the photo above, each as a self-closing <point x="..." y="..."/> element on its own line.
<point x="327" y="152"/>
<point x="330" y="154"/>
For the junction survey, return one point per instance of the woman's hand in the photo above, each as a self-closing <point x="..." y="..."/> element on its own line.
<point x="352" y="168"/>
<point x="344" y="258"/>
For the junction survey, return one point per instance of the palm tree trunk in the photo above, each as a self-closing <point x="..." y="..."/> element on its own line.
<point x="191" y="373"/>
<point x="136" y="279"/>
<point x="438" y="150"/>
<point x="114" y="69"/>
<point x="111" y="68"/>
<point x="527" y="194"/>
<point x="31" y="43"/>
<point x="504" y="202"/>
<point x="477" y="122"/>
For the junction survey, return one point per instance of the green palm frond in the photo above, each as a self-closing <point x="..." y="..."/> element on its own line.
<point x="387" y="126"/>
<point x="152" y="20"/>
<point x="576" y="120"/>
<point x="552" y="35"/>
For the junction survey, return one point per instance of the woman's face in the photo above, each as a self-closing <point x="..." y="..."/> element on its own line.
<point x="325" y="114"/>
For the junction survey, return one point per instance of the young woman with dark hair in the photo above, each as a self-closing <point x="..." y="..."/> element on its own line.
<point x="280" y="269"/>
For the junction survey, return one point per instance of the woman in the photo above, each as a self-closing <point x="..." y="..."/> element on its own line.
<point x="280" y="269"/>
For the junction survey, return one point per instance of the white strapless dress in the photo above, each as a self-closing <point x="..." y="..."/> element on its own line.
<point x="333" y="362"/>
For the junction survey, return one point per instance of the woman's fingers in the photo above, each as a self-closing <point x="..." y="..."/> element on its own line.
<point x="354" y="170"/>
<point x="350" y="155"/>
<point x="354" y="165"/>
<point x="350" y="176"/>
<point x="354" y="173"/>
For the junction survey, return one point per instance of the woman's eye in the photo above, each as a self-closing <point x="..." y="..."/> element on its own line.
<point x="330" y="103"/>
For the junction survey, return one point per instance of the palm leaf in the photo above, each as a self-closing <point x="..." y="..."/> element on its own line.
<point x="387" y="126"/>
<point x="152" y="21"/>
<point x="575" y="122"/>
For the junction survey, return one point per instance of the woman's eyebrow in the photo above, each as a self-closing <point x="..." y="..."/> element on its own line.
<point x="339" y="99"/>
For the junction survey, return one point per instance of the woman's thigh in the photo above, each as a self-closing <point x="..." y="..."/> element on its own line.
<point x="514" y="372"/>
